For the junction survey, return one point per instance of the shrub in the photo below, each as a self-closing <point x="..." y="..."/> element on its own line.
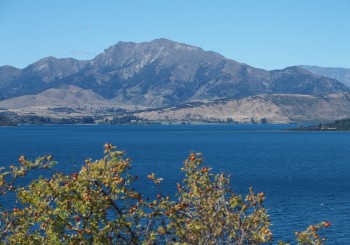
<point x="98" y="205"/>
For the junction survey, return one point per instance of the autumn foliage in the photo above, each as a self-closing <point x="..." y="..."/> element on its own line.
<point x="98" y="205"/>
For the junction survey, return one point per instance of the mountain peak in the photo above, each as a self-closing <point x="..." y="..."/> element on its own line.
<point x="45" y="60"/>
<point x="294" y="69"/>
<point x="124" y="53"/>
<point x="172" y="44"/>
<point x="162" y="40"/>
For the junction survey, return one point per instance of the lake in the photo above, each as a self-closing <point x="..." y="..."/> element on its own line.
<point x="305" y="175"/>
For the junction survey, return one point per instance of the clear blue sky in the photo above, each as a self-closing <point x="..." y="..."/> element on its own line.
<point x="269" y="34"/>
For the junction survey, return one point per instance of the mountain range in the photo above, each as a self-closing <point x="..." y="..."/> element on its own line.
<point x="153" y="75"/>
<point x="340" y="74"/>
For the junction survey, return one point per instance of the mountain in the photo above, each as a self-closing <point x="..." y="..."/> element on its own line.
<point x="161" y="73"/>
<point x="340" y="74"/>
<point x="37" y="77"/>
<point x="272" y="108"/>
<point x="296" y="80"/>
<point x="59" y="102"/>
<point x="7" y="74"/>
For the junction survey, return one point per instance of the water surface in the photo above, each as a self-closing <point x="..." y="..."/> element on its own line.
<point x="305" y="175"/>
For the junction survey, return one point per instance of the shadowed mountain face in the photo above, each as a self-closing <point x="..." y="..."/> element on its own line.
<point x="161" y="73"/>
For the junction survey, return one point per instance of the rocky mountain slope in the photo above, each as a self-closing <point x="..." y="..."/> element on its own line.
<point x="275" y="108"/>
<point x="340" y="74"/>
<point x="37" y="77"/>
<point x="161" y="73"/>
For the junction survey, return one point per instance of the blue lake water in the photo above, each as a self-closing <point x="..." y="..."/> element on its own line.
<point x="305" y="175"/>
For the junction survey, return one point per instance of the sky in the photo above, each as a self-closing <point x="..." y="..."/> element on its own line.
<point x="268" y="34"/>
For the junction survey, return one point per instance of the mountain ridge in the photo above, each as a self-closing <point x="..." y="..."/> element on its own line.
<point x="161" y="73"/>
<point x="340" y="74"/>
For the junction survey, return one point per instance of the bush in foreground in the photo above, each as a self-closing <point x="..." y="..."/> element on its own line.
<point x="99" y="206"/>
